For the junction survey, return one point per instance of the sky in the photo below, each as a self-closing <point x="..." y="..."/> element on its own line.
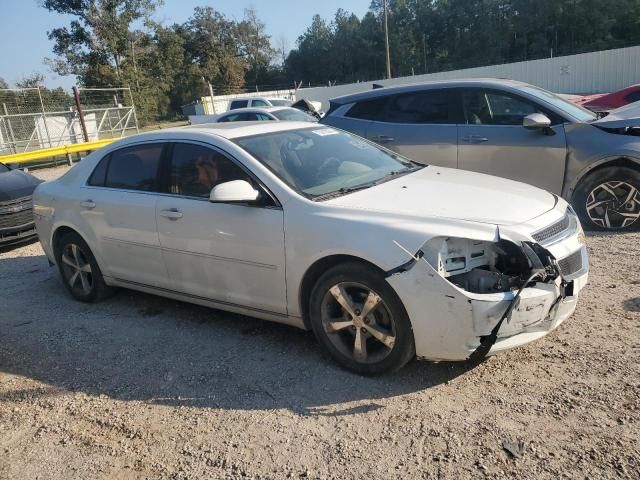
<point x="23" y="30"/>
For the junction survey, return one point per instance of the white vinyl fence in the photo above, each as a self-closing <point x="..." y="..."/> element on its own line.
<point x="586" y="73"/>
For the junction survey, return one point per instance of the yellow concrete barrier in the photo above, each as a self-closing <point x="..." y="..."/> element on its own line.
<point x="26" y="157"/>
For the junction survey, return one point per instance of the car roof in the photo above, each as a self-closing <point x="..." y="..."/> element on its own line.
<point x="228" y="131"/>
<point x="411" y="87"/>
<point x="255" y="110"/>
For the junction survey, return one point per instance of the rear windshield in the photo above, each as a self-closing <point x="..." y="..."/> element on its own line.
<point x="292" y="115"/>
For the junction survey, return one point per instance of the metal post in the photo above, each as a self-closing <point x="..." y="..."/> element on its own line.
<point x="213" y="104"/>
<point x="44" y="118"/>
<point x="76" y="95"/>
<point x="133" y="109"/>
<point x="386" y="40"/>
<point x="12" y="137"/>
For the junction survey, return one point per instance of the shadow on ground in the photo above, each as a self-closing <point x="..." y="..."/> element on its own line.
<point x="135" y="346"/>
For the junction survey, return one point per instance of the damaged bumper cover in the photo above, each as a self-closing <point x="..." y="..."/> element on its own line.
<point x="453" y="323"/>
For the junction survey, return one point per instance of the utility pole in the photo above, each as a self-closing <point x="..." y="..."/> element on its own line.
<point x="386" y="39"/>
<point x="424" y="50"/>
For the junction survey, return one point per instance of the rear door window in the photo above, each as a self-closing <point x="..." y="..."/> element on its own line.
<point x="368" y="109"/>
<point x="429" y="106"/>
<point x="135" y="168"/>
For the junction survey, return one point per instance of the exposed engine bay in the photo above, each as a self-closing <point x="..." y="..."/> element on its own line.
<point x="489" y="267"/>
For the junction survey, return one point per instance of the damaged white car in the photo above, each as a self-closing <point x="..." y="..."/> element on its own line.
<point x="310" y="226"/>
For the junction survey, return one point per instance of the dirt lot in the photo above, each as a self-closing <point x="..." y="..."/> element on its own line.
<point x="143" y="387"/>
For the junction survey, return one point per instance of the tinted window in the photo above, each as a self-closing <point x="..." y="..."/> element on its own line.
<point x="293" y="115"/>
<point x="195" y="170"/>
<point x="492" y="108"/>
<point x="368" y="109"/>
<point x="633" y="97"/>
<point x="134" y="168"/>
<point x="235" y="117"/>
<point x="263" y="117"/>
<point x="259" y="103"/>
<point x="99" y="174"/>
<point x="3" y="168"/>
<point x="238" y="104"/>
<point x="419" y="107"/>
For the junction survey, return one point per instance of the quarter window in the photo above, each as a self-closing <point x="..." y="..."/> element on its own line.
<point x="259" y="103"/>
<point x="195" y="170"/>
<point x="134" y="168"/>
<point x="99" y="174"/>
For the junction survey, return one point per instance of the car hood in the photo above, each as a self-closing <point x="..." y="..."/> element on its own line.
<point x="456" y="194"/>
<point x="17" y="184"/>
<point x="627" y="116"/>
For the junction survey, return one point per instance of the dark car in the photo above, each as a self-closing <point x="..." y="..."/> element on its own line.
<point x="16" y="206"/>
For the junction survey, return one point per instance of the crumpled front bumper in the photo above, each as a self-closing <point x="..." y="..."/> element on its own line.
<point x="449" y="323"/>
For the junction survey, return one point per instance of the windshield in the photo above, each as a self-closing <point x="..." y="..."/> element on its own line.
<point x="278" y="102"/>
<point x="323" y="162"/>
<point x="291" y="114"/>
<point x="3" y="168"/>
<point x="576" y="111"/>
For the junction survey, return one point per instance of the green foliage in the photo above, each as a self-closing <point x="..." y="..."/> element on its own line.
<point x="168" y="66"/>
<point x="435" y="35"/>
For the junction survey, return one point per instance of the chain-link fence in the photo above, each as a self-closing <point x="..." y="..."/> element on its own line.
<point x="34" y="118"/>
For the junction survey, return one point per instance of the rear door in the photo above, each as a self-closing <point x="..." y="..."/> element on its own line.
<point x="119" y="207"/>
<point x="226" y="252"/>
<point x="492" y="140"/>
<point x="419" y="125"/>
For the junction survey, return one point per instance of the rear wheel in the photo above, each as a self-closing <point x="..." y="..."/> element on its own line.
<point x="609" y="199"/>
<point x="360" y="321"/>
<point x="79" y="270"/>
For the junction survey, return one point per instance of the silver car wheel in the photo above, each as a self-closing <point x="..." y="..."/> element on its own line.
<point x="358" y="322"/>
<point x="613" y="205"/>
<point x="77" y="269"/>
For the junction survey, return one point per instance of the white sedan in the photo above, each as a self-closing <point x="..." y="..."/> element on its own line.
<point x="317" y="228"/>
<point x="255" y="114"/>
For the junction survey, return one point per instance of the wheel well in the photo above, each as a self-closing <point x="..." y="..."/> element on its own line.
<point x="58" y="234"/>
<point x="314" y="272"/>
<point x="617" y="162"/>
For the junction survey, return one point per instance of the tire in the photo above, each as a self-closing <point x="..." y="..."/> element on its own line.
<point x="609" y="200"/>
<point x="85" y="283"/>
<point x="349" y="339"/>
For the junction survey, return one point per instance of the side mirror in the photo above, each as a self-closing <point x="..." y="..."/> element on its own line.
<point x="236" y="191"/>
<point x="536" y="121"/>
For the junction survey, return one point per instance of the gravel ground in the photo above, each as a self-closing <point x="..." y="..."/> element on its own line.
<point x="143" y="387"/>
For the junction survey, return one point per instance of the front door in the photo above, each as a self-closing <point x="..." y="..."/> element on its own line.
<point x="229" y="253"/>
<point x="419" y="125"/>
<point x="492" y="140"/>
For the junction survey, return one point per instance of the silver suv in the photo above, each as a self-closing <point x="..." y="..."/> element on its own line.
<point x="513" y="130"/>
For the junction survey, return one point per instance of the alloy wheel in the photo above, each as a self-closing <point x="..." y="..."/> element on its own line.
<point x="613" y="205"/>
<point x="358" y="322"/>
<point x="76" y="269"/>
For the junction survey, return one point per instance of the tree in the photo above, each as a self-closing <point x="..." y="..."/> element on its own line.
<point x="3" y="83"/>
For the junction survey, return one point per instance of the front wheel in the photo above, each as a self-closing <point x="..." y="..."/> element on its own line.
<point x="360" y="321"/>
<point x="609" y="199"/>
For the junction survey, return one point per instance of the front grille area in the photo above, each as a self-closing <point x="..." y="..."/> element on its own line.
<point x="553" y="230"/>
<point x="571" y="265"/>
<point x="14" y="213"/>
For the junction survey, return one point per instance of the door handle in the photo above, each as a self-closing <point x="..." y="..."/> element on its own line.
<point x="89" y="204"/>
<point x="171" y="214"/>
<point x="382" y="139"/>
<point x="475" y="139"/>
